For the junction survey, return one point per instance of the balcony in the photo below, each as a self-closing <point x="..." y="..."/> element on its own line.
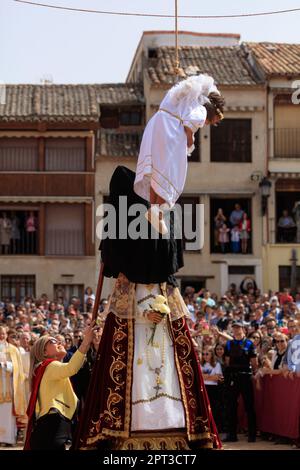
<point x="287" y="143"/>
<point x="117" y="143"/>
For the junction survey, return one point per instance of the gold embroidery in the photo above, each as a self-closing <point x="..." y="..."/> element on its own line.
<point x="155" y="398"/>
<point x="176" y="303"/>
<point x="122" y="302"/>
<point x="167" y="180"/>
<point x="112" y="413"/>
<point x="130" y="352"/>
<point x="189" y="373"/>
<point x="185" y="344"/>
<point x="182" y="389"/>
<point x="115" y="367"/>
<point x="147" y="441"/>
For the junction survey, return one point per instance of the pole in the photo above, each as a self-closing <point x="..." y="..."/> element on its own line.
<point x="98" y="292"/>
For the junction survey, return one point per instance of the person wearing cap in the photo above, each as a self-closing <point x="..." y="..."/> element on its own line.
<point x="241" y="363"/>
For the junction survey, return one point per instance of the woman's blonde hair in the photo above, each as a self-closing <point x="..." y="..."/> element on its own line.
<point x="37" y="355"/>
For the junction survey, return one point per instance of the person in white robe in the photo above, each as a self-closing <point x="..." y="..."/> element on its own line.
<point x="168" y="139"/>
<point x="12" y="390"/>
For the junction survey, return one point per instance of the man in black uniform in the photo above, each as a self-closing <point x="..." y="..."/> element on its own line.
<point x="241" y="362"/>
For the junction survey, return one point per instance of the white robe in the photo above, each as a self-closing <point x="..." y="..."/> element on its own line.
<point x="162" y="161"/>
<point x="8" y="425"/>
<point x="154" y="409"/>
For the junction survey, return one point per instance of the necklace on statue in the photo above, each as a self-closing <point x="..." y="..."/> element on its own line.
<point x="157" y="370"/>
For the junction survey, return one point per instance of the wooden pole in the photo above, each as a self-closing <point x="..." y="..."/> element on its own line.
<point x="98" y="292"/>
<point x="176" y="40"/>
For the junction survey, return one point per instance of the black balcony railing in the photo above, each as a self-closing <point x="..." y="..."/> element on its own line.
<point x="287" y="143"/>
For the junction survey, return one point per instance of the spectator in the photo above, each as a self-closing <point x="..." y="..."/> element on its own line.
<point x="220" y="219"/>
<point x="235" y="239"/>
<point x="285" y="297"/>
<point x="5" y="233"/>
<point x="12" y="390"/>
<point x="51" y="389"/>
<point x="236" y="215"/>
<point x="212" y="375"/>
<point x="286" y="228"/>
<point x="31" y="231"/>
<point x="245" y="229"/>
<point x="224" y="238"/>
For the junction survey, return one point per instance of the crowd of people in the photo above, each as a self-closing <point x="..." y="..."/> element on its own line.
<point x="263" y="323"/>
<point x="263" y="327"/>
<point x="21" y="326"/>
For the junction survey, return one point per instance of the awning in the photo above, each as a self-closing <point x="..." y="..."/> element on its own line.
<point x="285" y="174"/>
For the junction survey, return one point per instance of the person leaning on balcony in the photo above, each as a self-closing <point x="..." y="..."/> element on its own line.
<point x="245" y="229"/>
<point x="286" y="227"/>
<point x="5" y="233"/>
<point x="53" y="403"/>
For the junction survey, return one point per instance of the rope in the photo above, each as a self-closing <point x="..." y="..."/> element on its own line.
<point x="176" y="41"/>
<point x="118" y="13"/>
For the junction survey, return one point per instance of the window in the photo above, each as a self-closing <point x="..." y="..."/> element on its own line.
<point x="19" y="232"/>
<point x="130" y="118"/>
<point x="226" y="206"/>
<point x="65" y="155"/>
<point x="65" y="229"/>
<point x="152" y="53"/>
<point x="113" y="117"/>
<point x="109" y="117"/>
<point x="189" y="219"/>
<point x="285" y="278"/>
<point x="241" y="269"/>
<point x="231" y="141"/>
<point x="287" y="213"/>
<point x="18" y="154"/>
<point x="16" y="288"/>
<point x="195" y="157"/>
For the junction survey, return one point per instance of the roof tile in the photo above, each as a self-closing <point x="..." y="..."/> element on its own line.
<point x="276" y="59"/>
<point x="228" y="65"/>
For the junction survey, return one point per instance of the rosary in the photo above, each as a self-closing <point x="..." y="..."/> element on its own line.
<point x="157" y="370"/>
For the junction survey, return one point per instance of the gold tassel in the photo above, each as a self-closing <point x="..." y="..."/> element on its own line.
<point x="8" y="387"/>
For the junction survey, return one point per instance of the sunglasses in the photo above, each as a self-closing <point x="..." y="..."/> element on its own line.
<point x="53" y="341"/>
<point x="280" y="341"/>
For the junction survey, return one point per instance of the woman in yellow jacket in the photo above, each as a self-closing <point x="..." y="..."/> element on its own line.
<point x="53" y="402"/>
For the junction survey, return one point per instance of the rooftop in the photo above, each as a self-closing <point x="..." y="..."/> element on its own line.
<point x="57" y="103"/>
<point x="276" y="59"/>
<point x="228" y="65"/>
